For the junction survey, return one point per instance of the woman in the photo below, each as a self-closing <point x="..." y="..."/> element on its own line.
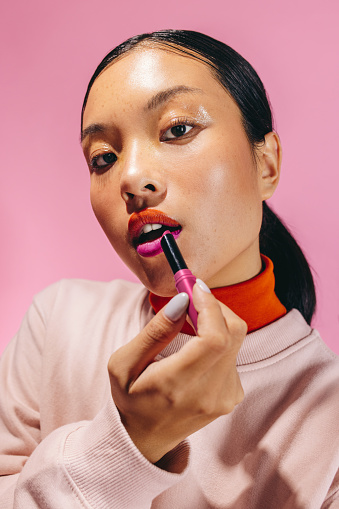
<point x="177" y="134"/>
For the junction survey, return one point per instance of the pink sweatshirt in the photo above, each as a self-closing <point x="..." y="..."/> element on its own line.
<point x="62" y="444"/>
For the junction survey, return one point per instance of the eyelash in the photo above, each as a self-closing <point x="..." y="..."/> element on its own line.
<point x="95" y="168"/>
<point x="177" y="122"/>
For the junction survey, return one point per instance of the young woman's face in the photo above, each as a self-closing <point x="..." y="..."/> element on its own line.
<point x="162" y="134"/>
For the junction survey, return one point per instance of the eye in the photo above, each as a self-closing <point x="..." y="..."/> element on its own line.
<point x="176" y="131"/>
<point x="101" y="163"/>
<point x="179" y="129"/>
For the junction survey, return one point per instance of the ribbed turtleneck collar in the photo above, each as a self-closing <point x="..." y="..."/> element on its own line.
<point x="254" y="300"/>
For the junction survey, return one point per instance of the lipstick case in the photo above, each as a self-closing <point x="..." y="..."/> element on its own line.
<point x="183" y="277"/>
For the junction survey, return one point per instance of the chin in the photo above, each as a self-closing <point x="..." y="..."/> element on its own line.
<point x="155" y="274"/>
<point x="161" y="284"/>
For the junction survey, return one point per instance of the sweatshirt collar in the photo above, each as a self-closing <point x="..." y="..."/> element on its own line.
<point x="254" y="300"/>
<point x="264" y="346"/>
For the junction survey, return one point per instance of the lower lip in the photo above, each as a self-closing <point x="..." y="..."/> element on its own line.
<point x="153" y="248"/>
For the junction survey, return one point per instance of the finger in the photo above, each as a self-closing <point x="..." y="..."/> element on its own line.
<point x="231" y="317"/>
<point x="208" y="308"/>
<point x="235" y="325"/>
<point x="216" y="338"/>
<point x="130" y="360"/>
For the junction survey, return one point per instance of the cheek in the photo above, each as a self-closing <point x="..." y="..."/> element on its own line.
<point x="111" y="217"/>
<point x="98" y="204"/>
<point x="222" y="183"/>
<point x="225" y="192"/>
<point x="103" y="196"/>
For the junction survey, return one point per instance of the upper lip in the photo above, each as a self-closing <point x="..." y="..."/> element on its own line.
<point x="148" y="216"/>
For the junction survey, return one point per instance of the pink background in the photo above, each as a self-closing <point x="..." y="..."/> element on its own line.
<point x="49" y="51"/>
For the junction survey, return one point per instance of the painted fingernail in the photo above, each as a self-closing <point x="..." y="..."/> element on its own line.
<point x="176" y="306"/>
<point x="203" y="286"/>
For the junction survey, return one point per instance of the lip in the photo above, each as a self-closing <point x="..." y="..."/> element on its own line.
<point x="154" y="248"/>
<point x="150" y="216"/>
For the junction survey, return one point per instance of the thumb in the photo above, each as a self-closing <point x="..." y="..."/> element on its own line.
<point x="141" y="351"/>
<point x="165" y="325"/>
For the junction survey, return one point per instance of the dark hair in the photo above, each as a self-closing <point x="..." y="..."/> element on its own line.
<point x="294" y="282"/>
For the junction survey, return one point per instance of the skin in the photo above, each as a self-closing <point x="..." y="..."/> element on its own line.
<point x="208" y="181"/>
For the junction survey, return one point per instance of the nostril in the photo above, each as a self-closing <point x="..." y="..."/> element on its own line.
<point x="151" y="187"/>
<point x="130" y="196"/>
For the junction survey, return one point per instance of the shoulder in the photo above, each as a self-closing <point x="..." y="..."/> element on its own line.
<point x="72" y="305"/>
<point x="75" y="314"/>
<point x="291" y="357"/>
<point x="312" y="356"/>
<point x="312" y="369"/>
<point x="83" y="294"/>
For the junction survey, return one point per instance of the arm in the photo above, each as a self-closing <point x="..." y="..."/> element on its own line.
<point x="162" y="403"/>
<point x="111" y="460"/>
<point x="84" y="464"/>
<point x="94" y="465"/>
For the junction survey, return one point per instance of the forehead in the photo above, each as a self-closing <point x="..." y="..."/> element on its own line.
<point x="145" y="70"/>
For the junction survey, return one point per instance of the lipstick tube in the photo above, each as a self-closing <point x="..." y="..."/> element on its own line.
<point x="183" y="277"/>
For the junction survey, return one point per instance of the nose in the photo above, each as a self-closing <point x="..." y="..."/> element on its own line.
<point x="141" y="184"/>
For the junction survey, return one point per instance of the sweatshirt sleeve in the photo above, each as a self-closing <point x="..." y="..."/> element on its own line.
<point x="332" y="503"/>
<point x="332" y="499"/>
<point x="91" y="464"/>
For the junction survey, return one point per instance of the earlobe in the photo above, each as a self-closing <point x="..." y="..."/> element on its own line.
<point x="270" y="162"/>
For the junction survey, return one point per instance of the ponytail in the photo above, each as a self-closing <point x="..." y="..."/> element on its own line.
<point x="294" y="285"/>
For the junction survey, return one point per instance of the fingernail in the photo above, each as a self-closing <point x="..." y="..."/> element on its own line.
<point x="176" y="307"/>
<point x="203" y="286"/>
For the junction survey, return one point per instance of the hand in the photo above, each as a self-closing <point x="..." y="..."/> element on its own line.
<point x="162" y="403"/>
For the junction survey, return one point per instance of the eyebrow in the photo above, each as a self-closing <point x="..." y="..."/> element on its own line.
<point x="92" y="129"/>
<point x="166" y="95"/>
<point x="155" y="101"/>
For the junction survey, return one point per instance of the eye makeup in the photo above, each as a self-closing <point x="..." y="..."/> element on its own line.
<point x="101" y="162"/>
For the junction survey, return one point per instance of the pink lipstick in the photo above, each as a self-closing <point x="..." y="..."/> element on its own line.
<point x="183" y="277"/>
<point x="146" y="229"/>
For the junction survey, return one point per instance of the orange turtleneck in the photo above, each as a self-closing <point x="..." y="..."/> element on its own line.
<point x="254" y="300"/>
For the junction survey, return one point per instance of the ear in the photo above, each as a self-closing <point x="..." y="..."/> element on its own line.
<point x="269" y="155"/>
